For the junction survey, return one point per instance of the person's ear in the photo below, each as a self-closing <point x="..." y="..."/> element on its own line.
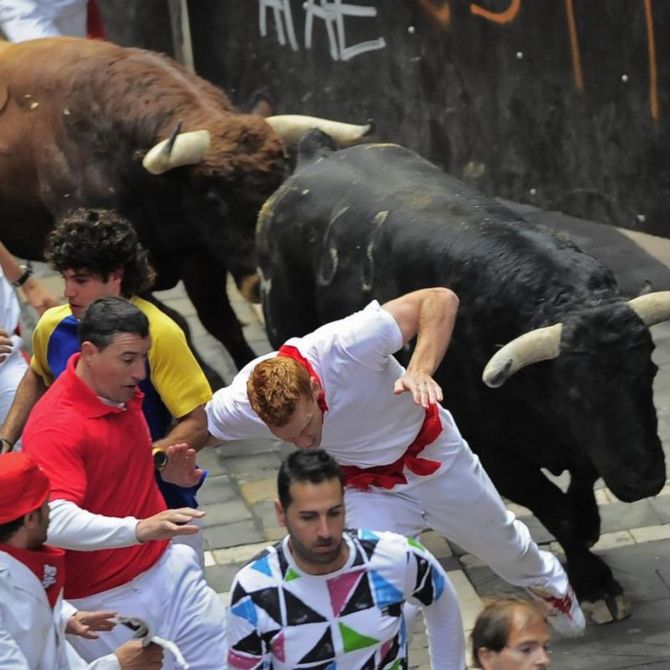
<point x="115" y="278"/>
<point x="486" y="658"/>
<point x="88" y="349"/>
<point x="32" y="518"/>
<point x="281" y="513"/>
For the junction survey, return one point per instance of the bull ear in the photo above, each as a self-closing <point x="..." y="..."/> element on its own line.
<point x="180" y="149"/>
<point x="652" y="308"/>
<point x="291" y="127"/>
<point x="541" y="344"/>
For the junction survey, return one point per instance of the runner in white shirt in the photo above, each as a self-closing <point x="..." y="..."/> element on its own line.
<point x="406" y="465"/>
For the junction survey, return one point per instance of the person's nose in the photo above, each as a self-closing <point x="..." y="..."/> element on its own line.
<point x="69" y="289"/>
<point x="543" y="659"/>
<point x="139" y="371"/>
<point x="324" y="528"/>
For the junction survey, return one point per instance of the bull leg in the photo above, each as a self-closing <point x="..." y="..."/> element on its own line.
<point x="205" y="283"/>
<point x="584" y="510"/>
<point x="213" y="377"/>
<point x="600" y="594"/>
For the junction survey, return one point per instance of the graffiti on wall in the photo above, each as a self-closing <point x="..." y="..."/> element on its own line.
<point x="332" y="14"/>
<point x="440" y="13"/>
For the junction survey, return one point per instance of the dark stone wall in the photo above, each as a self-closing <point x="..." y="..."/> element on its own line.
<point x="514" y="100"/>
<point x="563" y="104"/>
<point x="138" y="23"/>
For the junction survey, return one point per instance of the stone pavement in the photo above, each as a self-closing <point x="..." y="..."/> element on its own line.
<point x="239" y="492"/>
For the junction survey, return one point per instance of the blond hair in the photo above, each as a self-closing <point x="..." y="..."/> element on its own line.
<point x="274" y="388"/>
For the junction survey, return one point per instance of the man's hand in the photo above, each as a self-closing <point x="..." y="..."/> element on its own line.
<point x="180" y="468"/>
<point x="39" y="297"/>
<point x="424" y="389"/>
<point x="5" y="346"/>
<point x="168" y="524"/>
<point x="133" y="656"/>
<point x="84" y="624"/>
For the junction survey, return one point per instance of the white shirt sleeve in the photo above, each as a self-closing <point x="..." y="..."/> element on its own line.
<point x="11" y="656"/>
<point x="429" y="587"/>
<point x="71" y="527"/>
<point x="229" y="413"/>
<point x="369" y="337"/>
<point x="76" y="662"/>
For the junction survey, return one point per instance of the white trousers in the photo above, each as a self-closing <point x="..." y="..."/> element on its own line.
<point x="176" y="602"/>
<point x="462" y="504"/>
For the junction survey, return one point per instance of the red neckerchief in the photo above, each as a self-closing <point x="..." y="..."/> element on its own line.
<point x="292" y="352"/>
<point x="46" y="563"/>
<point x="387" y="476"/>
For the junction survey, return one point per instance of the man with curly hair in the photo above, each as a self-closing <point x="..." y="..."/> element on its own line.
<point x="98" y="254"/>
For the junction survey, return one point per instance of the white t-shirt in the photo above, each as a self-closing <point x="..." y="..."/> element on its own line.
<point x="366" y="425"/>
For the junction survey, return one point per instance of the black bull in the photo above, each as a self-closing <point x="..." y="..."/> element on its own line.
<point x="378" y="221"/>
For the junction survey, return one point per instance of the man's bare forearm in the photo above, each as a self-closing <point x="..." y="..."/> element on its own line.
<point x="191" y="428"/>
<point x="437" y="316"/>
<point x="29" y="391"/>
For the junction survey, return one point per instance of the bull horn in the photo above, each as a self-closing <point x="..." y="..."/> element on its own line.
<point x="291" y="127"/>
<point x="180" y="149"/>
<point x="652" y="308"/>
<point x="542" y="344"/>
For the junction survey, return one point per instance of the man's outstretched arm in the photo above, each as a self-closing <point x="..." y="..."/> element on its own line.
<point x="30" y="389"/>
<point x="429" y="314"/>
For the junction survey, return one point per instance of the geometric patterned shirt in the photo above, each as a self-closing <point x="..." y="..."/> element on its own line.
<point x="285" y="619"/>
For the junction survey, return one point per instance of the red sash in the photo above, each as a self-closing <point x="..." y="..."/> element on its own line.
<point x="46" y="563"/>
<point x="383" y="476"/>
<point x="388" y="476"/>
<point x="292" y="352"/>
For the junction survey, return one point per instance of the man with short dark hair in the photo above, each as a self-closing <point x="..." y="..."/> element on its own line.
<point x="89" y="435"/>
<point x="329" y="597"/>
<point x="98" y="254"/>
<point x="33" y="615"/>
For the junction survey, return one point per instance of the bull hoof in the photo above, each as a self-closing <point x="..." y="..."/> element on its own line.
<point x="607" y="609"/>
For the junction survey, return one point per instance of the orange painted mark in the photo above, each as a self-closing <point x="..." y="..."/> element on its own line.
<point x="651" y="48"/>
<point x="441" y="15"/>
<point x="574" y="47"/>
<point x="505" y="16"/>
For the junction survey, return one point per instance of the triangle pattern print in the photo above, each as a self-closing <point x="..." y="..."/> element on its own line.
<point x="340" y="587"/>
<point x="298" y="613"/>
<point x="352" y="640"/>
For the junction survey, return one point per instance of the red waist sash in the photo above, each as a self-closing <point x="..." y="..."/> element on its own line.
<point x="388" y="476"/>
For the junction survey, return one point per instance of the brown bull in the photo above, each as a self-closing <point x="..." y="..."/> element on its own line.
<point x="77" y="120"/>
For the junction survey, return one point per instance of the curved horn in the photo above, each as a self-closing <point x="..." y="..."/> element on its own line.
<point x="652" y="308"/>
<point x="180" y="149"/>
<point x="291" y="127"/>
<point x="541" y="344"/>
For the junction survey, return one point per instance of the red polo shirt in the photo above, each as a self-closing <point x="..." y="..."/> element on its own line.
<point x="98" y="457"/>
